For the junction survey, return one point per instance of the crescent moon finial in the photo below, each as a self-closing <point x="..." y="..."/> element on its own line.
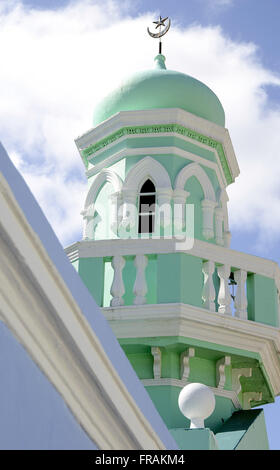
<point x="159" y="24"/>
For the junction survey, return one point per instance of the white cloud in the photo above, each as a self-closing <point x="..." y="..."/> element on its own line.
<point x="57" y="64"/>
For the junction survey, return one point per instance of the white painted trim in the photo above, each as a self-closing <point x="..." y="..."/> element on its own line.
<point x="193" y="169"/>
<point x="163" y="152"/>
<point x="193" y="322"/>
<point x="181" y="383"/>
<point x="204" y="250"/>
<point x="146" y="168"/>
<point x="162" y="116"/>
<point x="39" y="309"/>
<point x="106" y="175"/>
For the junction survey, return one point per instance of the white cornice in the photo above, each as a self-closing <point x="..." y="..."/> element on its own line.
<point x="162" y="116"/>
<point x="38" y="307"/>
<point x="197" y="323"/>
<point x="163" y="151"/>
<point x="204" y="250"/>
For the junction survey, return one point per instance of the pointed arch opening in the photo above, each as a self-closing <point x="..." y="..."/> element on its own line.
<point x="147" y="207"/>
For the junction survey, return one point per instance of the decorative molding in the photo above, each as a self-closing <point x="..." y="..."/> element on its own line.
<point x="247" y="397"/>
<point x="41" y="312"/>
<point x="146" y="321"/>
<point x="158" y="129"/>
<point x="193" y="169"/>
<point x="236" y="375"/>
<point x="182" y="383"/>
<point x="165" y="153"/>
<point x="146" y="168"/>
<point x="156" y="352"/>
<point x="185" y="363"/>
<point x="105" y="175"/>
<point x="221" y="366"/>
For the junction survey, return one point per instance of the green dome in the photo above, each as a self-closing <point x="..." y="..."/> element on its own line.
<point x="161" y="88"/>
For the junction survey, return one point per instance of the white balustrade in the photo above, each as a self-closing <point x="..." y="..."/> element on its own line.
<point x="209" y="293"/>
<point x="140" y="286"/>
<point x="240" y="302"/>
<point x="224" y="297"/>
<point x="117" y="288"/>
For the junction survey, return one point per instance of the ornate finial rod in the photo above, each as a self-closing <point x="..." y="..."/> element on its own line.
<point x="159" y="24"/>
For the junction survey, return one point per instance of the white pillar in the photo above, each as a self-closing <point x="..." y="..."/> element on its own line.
<point x="140" y="285"/>
<point x="114" y="214"/>
<point x="209" y="293"/>
<point x="240" y="302"/>
<point x="219" y="218"/>
<point x="179" y="200"/>
<point x="117" y="288"/>
<point x="89" y="222"/>
<point x="128" y="225"/>
<point x="224" y="297"/>
<point x="208" y="207"/>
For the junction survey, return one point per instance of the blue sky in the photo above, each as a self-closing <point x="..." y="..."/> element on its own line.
<point x="56" y="70"/>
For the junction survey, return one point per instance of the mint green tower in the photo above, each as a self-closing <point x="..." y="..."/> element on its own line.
<point x="156" y="256"/>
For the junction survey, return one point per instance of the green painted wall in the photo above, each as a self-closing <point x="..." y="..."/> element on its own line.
<point x="91" y="271"/>
<point x="180" y="279"/>
<point x="262" y="300"/>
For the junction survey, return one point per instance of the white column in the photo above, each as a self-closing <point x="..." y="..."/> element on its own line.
<point x="117" y="288"/>
<point x="128" y="225"/>
<point x="209" y="293"/>
<point x="185" y="363"/>
<point x="179" y="200"/>
<point x="208" y="207"/>
<point x="219" y="218"/>
<point x="240" y="302"/>
<point x="89" y="222"/>
<point x="140" y="285"/>
<point x="114" y="213"/>
<point x="224" y="297"/>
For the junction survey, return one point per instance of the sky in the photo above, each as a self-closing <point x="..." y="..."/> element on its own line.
<point x="59" y="57"/>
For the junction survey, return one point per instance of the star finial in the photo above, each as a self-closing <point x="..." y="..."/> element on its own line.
<point x="159" y="24"/>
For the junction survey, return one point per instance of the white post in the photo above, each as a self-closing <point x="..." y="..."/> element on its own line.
<point x="179" y="215"/>
<point x="140" y="285"/>
<point x="208" y="213"/>
<point x="209" y="293"/>
<point x="224" y="297"/>
<point x="117" y="288"/>
<point x="240" y="302"/>
<point x="219" y="218"/>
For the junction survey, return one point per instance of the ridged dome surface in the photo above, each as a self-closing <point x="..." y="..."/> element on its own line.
<point x="161" y="88"/>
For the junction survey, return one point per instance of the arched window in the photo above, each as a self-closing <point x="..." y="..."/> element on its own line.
<point x="147" y="201"/>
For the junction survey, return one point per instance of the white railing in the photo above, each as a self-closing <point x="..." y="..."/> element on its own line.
<point x="218" y="264"/>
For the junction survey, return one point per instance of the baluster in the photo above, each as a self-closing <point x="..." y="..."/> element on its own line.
<point x="140" y="285"/>
<point x="224" y="297"/>
<point x="240" y="302"/>
<point x="208" y="293"/>
<point x="117" y="288"/>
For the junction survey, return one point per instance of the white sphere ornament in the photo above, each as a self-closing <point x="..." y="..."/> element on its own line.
<point x="196" y="402"/>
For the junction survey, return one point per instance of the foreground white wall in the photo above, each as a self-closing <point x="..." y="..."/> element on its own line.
<point x="46" y="306"/>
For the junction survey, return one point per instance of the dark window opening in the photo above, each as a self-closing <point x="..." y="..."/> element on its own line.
<point x="147" y="201"/>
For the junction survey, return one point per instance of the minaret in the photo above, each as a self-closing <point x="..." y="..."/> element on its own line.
<point x="156" y="254"/>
